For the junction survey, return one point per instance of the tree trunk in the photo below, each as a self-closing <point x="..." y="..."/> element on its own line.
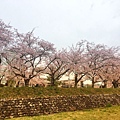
<point x="26" y="82"/>
<point x="93" y="82"/>
<point x="82" y="85"/>
<point x="115" y="83"/>
<point x="105" y="84"/>
<point x="76" y="76"/>
<point x="17" y="85"/>
<point x="52" y="81"/>
<point x="0" y="60"/>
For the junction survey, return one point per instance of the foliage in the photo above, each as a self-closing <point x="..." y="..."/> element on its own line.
<point x="108" y="105"/>
<point x="11" y="83"/>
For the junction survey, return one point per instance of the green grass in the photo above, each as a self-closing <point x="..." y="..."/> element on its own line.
<point x="111" y="113"/>
<point x="31" y="92"/>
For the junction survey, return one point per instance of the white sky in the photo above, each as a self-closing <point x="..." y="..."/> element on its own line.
<point x="65" y="22"/>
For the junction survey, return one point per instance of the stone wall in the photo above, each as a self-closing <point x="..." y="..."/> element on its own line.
<point x="49" y="105"/>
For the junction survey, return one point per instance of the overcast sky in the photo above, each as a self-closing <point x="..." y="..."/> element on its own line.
<point x="65" y="22"/>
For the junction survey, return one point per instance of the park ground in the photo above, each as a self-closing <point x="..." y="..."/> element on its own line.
<point x="109" y="112"/>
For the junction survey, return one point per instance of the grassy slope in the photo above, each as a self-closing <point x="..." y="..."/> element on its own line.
<point x="111" y="113"/>
<point x="29" y="92"/>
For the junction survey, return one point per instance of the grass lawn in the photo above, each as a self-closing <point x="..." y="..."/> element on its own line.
<point x="108" y="113"/>
<point x="33" y="92"/>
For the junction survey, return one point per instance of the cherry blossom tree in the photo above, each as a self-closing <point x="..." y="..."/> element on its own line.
<point x="115" y="75"/>
<point x="6" y="36"/>
<point x="58" y="67"/>
<point x="99" y="57"/>
<point x="26" y="56"/>
<point x="111" y="72"/>
<point x="77" y="61"/>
